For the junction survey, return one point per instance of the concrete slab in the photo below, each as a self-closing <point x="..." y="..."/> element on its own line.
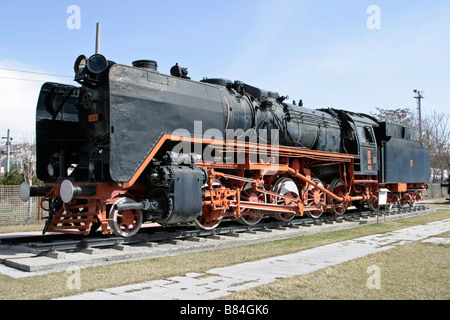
<point x="437" y="240"/>
<point x="219" y="282"/>
<point x="9" y="254"/>
<point x="36" y="264"/>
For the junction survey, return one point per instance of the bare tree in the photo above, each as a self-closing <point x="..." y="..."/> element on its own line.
<point x="436" y="138"/>
<point x="401" y="116"/>
<point x="28" y="159"/>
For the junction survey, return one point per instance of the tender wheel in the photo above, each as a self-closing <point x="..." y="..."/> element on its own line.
<point x="373" y="205"/>
<point x="285" y="187"/>
<point x="125" y="223"/>
<point x="390" y="206"/>
<point x="394" y="202"/>
<point x="251" y="217"/>
<point x="338" y="188"/>
<point x="314" y="197"/>
<point x="408" y="199"/>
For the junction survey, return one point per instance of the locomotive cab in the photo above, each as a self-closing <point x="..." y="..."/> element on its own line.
<point x="358" y="138"/>
<point x="367" y="162"/>
<point x="72" y="125"/>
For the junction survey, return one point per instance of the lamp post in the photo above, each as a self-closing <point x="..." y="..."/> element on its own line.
<point x="419" y="96"/>
<point x="8" y="150"/>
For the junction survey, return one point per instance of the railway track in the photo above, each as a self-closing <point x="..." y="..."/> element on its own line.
<point x="155" y="235"/>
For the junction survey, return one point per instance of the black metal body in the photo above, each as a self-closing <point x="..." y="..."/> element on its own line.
<point x="105" y="130"/>
<point x="117" y="123"/>
<point x="403" y="160"/>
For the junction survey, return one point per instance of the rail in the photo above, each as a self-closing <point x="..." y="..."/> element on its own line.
<point x="67" y="242"/>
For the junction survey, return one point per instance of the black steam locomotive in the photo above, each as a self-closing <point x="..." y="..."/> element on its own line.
<point x="133" y="145"/>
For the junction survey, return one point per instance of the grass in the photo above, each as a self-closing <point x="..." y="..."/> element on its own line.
<point x="26" y="227"/>
<point x="338" y="282"/>
<point x="412" y="272"/>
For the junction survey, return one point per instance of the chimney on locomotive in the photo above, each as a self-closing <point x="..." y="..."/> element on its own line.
<point x="146" y="64"/>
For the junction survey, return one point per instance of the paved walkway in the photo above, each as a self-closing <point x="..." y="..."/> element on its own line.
<point x="221" y="282"/>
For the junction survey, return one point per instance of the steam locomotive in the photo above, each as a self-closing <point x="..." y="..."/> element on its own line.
<point x="132" y="145"/>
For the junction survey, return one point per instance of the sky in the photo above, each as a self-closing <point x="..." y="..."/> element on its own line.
<point x="355" y="55"/>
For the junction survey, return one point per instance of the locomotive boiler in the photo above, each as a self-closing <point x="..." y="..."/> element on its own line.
<point x="132" y="145"/>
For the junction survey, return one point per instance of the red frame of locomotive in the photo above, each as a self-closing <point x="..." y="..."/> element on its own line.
<point x="242" y="191"/>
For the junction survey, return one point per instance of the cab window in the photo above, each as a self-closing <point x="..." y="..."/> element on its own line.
<point x="365" y="134"/>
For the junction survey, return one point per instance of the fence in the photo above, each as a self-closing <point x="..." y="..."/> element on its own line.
<point x="13" y="210"/>
<point x="435" y="191"/>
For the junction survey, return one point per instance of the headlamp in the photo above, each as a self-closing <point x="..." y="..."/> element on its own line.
<point x="80" y="65"/>
<point x="53" y="168"/>
<point x="97" y="64"/>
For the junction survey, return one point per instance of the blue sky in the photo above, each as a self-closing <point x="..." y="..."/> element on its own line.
<point x="320" y="51"/>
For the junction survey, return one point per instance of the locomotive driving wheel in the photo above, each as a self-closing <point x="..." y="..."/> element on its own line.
<point x="251" y="217"/>
<point x="125" y="223"/>
<point x="285" y="187"/>
<point x="314" y="197"/>
<point x="210" y="218"/>
<point x="338" y="188"/>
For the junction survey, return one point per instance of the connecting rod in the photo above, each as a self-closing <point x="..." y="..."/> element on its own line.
<point x="344" y="199"/>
